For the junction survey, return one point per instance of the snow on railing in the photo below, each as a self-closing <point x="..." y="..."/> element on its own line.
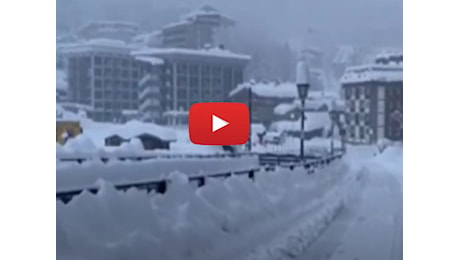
<point x="159" y="183"/>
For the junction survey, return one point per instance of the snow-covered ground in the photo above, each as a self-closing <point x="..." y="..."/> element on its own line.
<point x="370" y="225"/>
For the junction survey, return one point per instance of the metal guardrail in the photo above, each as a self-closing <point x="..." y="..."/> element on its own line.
<point x="160" y="186"/>
<point x="105" y="159"/>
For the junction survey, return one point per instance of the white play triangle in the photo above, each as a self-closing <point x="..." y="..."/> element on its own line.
<point x="218" y="123"/>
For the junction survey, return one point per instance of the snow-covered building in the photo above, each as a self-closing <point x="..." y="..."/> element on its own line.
<point x="374" y="95"/>
<point x="183" y="77"/>
<point x="102" y="74"/>
<point x="115" y="30"/>
<point x="196" y="29"/>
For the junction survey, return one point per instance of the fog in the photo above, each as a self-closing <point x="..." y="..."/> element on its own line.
<point x="323" y="23"/>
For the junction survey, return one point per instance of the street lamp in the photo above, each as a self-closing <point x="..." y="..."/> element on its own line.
<point x="303" y="83"/>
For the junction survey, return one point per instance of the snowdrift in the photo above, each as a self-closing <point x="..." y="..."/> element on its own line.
<point x="225" y="219"/>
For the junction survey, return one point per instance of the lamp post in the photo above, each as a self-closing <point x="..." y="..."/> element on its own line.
<point x="250" y="118"/>
<point x="302" y="82"/>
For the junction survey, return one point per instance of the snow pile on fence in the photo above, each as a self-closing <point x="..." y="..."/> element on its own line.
<point x="225" y="219"/>
<point x="71" y="176"/>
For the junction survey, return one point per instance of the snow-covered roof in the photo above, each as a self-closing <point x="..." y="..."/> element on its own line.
<point x="284" y="108"/>
<point x="105" y="24"/>
<point x="99" y="43"/>
<point x="314" y="120"/>
<point x="373" y="72"/>
<point x="130" y="112"/>
<point x="150" y="59"/>
<point x="206" y="10"/>
<point x="279" y="90"/>
<point x="272" y="90"/>
<point x="310" y="104"/>
<point x="257" y="128"/>
<point x="135" y="128"/>
<point x="213" y="52"/>
<point x="176" y="113"/>
<point x="61" y="80"/>
<point x="174" y="24"/>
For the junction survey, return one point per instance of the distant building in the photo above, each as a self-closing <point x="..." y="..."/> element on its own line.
<point x="103" y="75"/>
<point x="182" y="77"/>
<point x="374" y="98"/>
<point x="196" y="29"/>
<point x="115" y="30"/>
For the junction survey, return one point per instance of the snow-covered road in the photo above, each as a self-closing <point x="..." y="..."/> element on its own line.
<point x="370" y="225"/>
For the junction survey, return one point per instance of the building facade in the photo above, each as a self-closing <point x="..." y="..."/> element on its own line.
<point x="182" y="77"/>
<point x="103" y="75"/>
<point x="374" y="100"/>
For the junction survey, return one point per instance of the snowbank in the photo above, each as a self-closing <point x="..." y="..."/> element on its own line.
<point x="225" y="219"/>
<point x="74" y="176"/>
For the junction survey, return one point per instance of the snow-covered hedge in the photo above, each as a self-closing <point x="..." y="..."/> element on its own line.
<point x="225" y="219"/>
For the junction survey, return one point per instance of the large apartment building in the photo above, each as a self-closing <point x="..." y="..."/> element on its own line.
<point x="374" y="100"/>
<point x="175" y="78"/>
<point x="103" y="75"/>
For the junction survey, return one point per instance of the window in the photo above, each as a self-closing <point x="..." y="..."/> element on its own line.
<point x="182" y="93"/>
<point x="98" y="60"/>
<point x="367" y="119"/>
<point x="134" y="95"/>
<point x="125" y="73"/>
<point x="125" y="63"/>
<point x="193" y="69"/>
<point x="205" y="82"/>
<point x="205" y="70"/>
<point x="108" y="105"/>
<point x="194" y="82"/>
<point x="216" y="71"/>
<point x="97" y="72"/>
<point x="182" y="69"/>
<point x="98" y="83"/>
<point x="216" y="82"/>
<point x="135" y="74"/>
<point x="98" y="94"/>
<point x="182" y="81"/>
<point x="361" y="132"/>
<point x="356" y="118"/>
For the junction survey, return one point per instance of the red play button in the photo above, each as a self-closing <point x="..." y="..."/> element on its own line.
<point x="220" y="123"/>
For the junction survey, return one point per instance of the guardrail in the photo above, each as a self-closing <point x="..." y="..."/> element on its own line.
<point x="160" y="186"/>
<point x="103" y="158"/>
